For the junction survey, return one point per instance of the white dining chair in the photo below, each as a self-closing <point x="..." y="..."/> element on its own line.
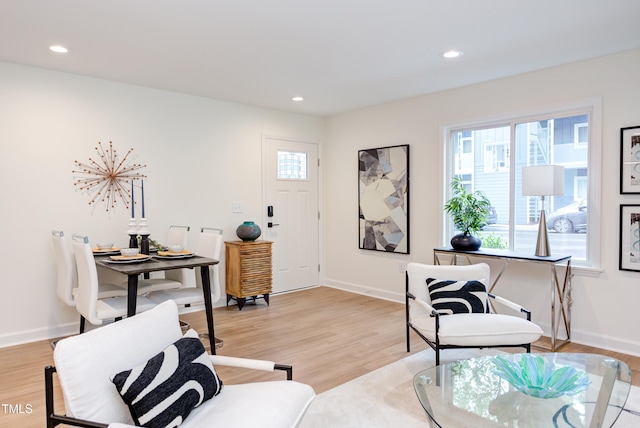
<point x="88" y="303"/>
<point x="178" y="235"/>
<point x="67" y="277"/>
<point x="210" y="246"/>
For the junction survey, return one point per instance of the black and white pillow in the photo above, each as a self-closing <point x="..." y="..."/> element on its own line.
<point x="457" y="297"/>
<point x="163" y="391"/>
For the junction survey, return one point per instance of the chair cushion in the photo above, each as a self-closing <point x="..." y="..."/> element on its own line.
<point x="457" y="297"/>
<point x="164" y="390"/>
<point x="267" y="404"/>
<point x="478" y="330"/>
<point x="85" y="362"/>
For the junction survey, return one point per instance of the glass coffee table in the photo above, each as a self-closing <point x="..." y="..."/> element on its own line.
<point x="475" y="392"/>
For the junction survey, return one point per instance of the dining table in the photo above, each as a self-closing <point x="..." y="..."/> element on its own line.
<point x="134" y="270"/>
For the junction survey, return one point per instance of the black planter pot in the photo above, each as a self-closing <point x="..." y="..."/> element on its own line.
<point x="464" y="242"/>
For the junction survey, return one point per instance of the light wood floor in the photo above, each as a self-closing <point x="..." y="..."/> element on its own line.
<point x="328" y="336"/>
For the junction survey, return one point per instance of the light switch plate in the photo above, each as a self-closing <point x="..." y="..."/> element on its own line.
<point x="236" y="207"/>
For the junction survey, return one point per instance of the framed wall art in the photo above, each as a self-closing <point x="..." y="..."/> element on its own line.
<point x="383" y="199"/>
<point x="630" y="237"/>
<point x="630" y="160"/>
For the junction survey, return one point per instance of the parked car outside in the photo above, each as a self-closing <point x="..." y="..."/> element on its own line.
<point x="492" y="215"/>
<point x="569" y="219"/>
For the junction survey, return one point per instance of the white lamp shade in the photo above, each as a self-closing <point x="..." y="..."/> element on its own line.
<point x="542" y="180"/>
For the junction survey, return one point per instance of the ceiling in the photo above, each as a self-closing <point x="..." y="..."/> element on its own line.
<point x="340" y="55"/>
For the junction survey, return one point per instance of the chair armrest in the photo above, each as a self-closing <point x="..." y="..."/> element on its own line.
<point x="508" y="303"/>
<point x="427" y="306"/>
<point x="54" y="419"/>
<point x="249" y="363"/>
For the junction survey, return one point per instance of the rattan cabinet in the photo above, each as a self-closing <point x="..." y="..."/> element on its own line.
<point x="248" y="271"/>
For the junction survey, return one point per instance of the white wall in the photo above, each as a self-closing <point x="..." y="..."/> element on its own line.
<point x="201" y="155"/>
<point x="49" y="119"/>
<point x="604" y="308"/>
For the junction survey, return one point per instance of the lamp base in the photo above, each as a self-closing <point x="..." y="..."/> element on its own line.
<point x="542" y="245"/>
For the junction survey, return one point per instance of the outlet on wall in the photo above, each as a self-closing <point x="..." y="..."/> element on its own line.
<point x="236" y="207"/>
<point x="402" y="267"/>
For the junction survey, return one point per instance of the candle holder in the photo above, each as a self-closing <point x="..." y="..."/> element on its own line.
<point x="133" y="233"/>
<point x="143" y="231"/>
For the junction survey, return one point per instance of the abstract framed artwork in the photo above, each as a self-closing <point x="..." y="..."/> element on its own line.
<point x="383" y="199"/>
<point x="630" y="160"/>
<point x="630" y="237"/>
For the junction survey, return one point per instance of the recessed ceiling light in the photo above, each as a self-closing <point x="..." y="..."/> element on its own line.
<point x="58" y="49"/>
<point x="297" y="99"/>
<point x="452" y="54"/>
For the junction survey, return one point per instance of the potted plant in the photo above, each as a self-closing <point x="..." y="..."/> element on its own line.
<point x="469" y="213"/>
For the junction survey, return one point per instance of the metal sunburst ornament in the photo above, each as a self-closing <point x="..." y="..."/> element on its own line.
<point x="109" y="176"/>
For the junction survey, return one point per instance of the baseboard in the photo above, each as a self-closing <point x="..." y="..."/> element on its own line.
<point x="366" y="291"/>
<point x="577" y="336"/>
<point x="63" y="330"/>
<point x="605" y="342"/>
<point x="35" y="335"/>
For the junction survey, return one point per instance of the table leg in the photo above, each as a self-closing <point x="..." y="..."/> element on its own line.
<point x="208" y="304"/>
<point x="132" y="294"/>
<point x="553" y="309"/>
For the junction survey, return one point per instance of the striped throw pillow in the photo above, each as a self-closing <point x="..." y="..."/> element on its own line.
<point x="457" y="297"/>
<point x="163" y="391"/>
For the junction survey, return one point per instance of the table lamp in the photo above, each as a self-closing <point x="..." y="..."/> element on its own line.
<point x="542" y="180"/>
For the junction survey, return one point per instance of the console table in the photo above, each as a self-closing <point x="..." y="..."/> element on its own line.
<point x="560" y="287"/>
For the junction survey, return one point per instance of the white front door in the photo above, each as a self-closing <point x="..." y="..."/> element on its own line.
<point x="291" y="216"/>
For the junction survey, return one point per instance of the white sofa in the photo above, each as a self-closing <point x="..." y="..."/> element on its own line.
<point x="84" y="364"/>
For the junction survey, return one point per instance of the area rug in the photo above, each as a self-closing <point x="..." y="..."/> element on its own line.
<point x="385" y="397"/>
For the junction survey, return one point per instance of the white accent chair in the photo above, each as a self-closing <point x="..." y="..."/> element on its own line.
<point x="463" y="330"/>
<point x="91" y="307"/>
<point x="85" y="362"/>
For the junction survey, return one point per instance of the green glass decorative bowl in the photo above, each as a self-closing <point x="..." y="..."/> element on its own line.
<point x="538" y="377"/>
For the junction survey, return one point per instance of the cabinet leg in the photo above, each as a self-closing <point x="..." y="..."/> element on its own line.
<point x="266" y="298"/>
<point x="240" y="301"/>
<point x="228" y="299"/>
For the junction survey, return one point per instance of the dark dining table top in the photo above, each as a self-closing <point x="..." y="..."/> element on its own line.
<point x="154" y="265"/>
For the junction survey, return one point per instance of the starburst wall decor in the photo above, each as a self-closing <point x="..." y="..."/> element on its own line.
<point x="109" y="178"/>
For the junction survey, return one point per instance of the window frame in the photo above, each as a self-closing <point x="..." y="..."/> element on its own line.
<point x="593" y="109"/>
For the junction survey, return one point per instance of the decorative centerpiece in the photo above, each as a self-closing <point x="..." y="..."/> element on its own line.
<point x="538" y="377"/>
<point x="248" y="231"/>
<point x="469" y="212"/>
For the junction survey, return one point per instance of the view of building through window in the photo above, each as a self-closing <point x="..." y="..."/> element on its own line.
<point x="491" y="160"/>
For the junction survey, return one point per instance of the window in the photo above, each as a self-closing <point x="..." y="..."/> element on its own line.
<point x="292" y="165"/>
<point x="496" y="157"/>
<point x="581" y="135"/>
<point x="559" y="139"/>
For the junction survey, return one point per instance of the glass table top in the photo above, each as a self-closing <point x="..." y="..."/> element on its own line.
<point x="484" y="391"/>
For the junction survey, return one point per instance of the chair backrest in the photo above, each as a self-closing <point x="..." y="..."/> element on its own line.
<point x="87" y="294"/>
<point x="177" y="235"/>
<point x="417" y="274"/>
<point x="85" y="362"/>
<point x="66" y="268"/>
<point x="210" y="246"/>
